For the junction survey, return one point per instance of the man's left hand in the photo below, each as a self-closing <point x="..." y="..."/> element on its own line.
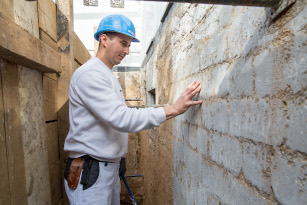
<point x="185" y="101"/>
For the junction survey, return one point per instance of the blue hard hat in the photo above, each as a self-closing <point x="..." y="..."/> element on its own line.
<point x="116" y="23"/>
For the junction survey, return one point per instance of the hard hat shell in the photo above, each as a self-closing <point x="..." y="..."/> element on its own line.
<point x="116" y="23"/>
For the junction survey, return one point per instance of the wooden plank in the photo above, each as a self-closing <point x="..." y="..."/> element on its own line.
<point x="4" y="185"/>
<point x="61" y="203"/>
<point x="48" y="40"/>
<point x="81" y="54"/>
<point x="48" y="7"/>
<point x="52" y="76"/>
<point x="53" y="153"/>
<point x="26" y="16"/>
<point x="34" y="135"/>
<point x="13" y="133"/>
<point x="47" y="24"/>
<point x="49" y="89"/>
<point x="76" y="65"/>
<point x="56" y="183"/>
<point x="65" y="27"/>
<point x="7" y="8"/>
<point x="34" y="54"/>
<point x="52" y="131"/>
<point x="52" y="143"/>
<point x="50" y="111"/>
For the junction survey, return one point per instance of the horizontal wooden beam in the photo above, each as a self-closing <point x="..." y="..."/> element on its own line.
<point x="259" y="3"/>
<point x="21" y="47"/>
<point x="80" y="52"/>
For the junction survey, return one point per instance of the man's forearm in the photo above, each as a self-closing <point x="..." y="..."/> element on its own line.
<point x="170" y="112"/>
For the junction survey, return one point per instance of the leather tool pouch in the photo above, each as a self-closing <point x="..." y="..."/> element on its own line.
<point x="74" y="173"/>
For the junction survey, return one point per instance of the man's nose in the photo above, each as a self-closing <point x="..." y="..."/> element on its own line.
<point x="126" y="50"/>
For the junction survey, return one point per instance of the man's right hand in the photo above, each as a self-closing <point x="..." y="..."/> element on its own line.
<point x="183" y="103"/>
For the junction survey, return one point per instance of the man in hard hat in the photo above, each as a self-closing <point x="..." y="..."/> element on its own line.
<point x="100" y="120"/>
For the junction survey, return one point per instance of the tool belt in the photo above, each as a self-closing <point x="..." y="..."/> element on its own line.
<point x="75" y="166"/>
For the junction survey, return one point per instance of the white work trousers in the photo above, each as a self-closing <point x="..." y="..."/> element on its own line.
<point x="105" y="191"/>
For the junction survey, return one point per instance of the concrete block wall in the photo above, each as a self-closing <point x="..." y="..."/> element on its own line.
<point x="246" y="144"/>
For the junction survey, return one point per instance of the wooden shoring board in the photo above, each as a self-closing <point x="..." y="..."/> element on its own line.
<point x="19" y="46"/>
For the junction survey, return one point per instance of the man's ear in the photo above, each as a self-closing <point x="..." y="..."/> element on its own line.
<point x="103" y="40"/>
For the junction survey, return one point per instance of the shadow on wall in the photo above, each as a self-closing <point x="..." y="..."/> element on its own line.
<point x="63" y="128"/>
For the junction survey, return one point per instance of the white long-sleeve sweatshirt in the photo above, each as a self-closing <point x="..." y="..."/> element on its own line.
<point x="98" y="116"/>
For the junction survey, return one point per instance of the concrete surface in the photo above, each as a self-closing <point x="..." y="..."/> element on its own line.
<point x="246" y="144"/>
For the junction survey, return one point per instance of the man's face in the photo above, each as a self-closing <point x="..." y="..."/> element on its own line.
<point x="117" y="48"/>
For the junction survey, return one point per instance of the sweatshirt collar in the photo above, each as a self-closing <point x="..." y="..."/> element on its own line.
<point x="102" y="64"/>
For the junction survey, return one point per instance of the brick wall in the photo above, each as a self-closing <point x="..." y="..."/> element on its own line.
<point x="246" y="144"/>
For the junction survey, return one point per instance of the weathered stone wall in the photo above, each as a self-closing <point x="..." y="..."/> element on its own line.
<point x="147" y="154"/>
<point x="131" y="85"/>
<point x="157" y="143"/>
<point x="246" y="144"/>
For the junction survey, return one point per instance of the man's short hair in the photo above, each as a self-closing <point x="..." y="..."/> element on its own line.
<point x="109" y="34"/>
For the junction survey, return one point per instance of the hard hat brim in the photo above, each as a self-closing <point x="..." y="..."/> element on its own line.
<point x="97" y="34"/>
